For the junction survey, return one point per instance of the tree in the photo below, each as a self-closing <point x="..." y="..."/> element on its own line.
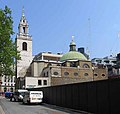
<point x="8" y="50"/>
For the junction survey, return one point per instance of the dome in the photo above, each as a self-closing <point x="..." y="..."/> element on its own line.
<point x="73" y="55"/>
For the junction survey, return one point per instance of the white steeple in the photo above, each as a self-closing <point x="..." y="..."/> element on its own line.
<point x="24" y="44"/>
<point x="23" y="25"/>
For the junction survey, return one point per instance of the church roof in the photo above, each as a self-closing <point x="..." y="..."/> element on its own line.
<point x="73" y="55"/>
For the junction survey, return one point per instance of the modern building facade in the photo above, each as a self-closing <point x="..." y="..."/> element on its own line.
<point x="116" y="68"/>
<point x="7" y="83"/>
<point x="109" y="62"/>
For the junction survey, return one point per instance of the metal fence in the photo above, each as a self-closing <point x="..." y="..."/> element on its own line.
<point x="99" y="97"/>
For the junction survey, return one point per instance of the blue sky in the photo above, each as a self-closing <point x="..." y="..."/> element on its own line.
<point x="53" y="22"/>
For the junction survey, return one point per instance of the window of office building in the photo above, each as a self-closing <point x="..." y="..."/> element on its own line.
<point x="11" y="89"/>
<point x="5" y="88"/>
<point x="8" y="79"/>
<point x="11" y="79"/>
<point x="5" y="79"/>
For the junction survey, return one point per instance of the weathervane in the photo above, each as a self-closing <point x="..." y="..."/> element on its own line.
<point x="23" y="12"/>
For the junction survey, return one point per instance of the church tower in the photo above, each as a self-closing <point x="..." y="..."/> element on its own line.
<point x="24" y="46"/>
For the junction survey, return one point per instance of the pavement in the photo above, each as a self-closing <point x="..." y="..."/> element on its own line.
<point x="1" y="109"/>
<point x="47" y="105"/>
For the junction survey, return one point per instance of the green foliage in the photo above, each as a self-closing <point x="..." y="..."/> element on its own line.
<point x="8" y="52"/>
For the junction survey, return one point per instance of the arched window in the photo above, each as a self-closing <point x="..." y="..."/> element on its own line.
<point x="23" y="21"/>
<point x="86" y="66"/>
<point x="24" y="46"/>
<point x="23" y="29"/>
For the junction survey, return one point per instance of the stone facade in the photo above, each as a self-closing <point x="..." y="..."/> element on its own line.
<point x="24" y="46"/>
<point x="65" y="74"/>
<point x="100" y="73"/>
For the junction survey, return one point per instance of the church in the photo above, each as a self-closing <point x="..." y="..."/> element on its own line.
<point x="48" y="69"/>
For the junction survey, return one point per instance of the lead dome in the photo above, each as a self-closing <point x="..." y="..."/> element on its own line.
<point x="73" y="54"/>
